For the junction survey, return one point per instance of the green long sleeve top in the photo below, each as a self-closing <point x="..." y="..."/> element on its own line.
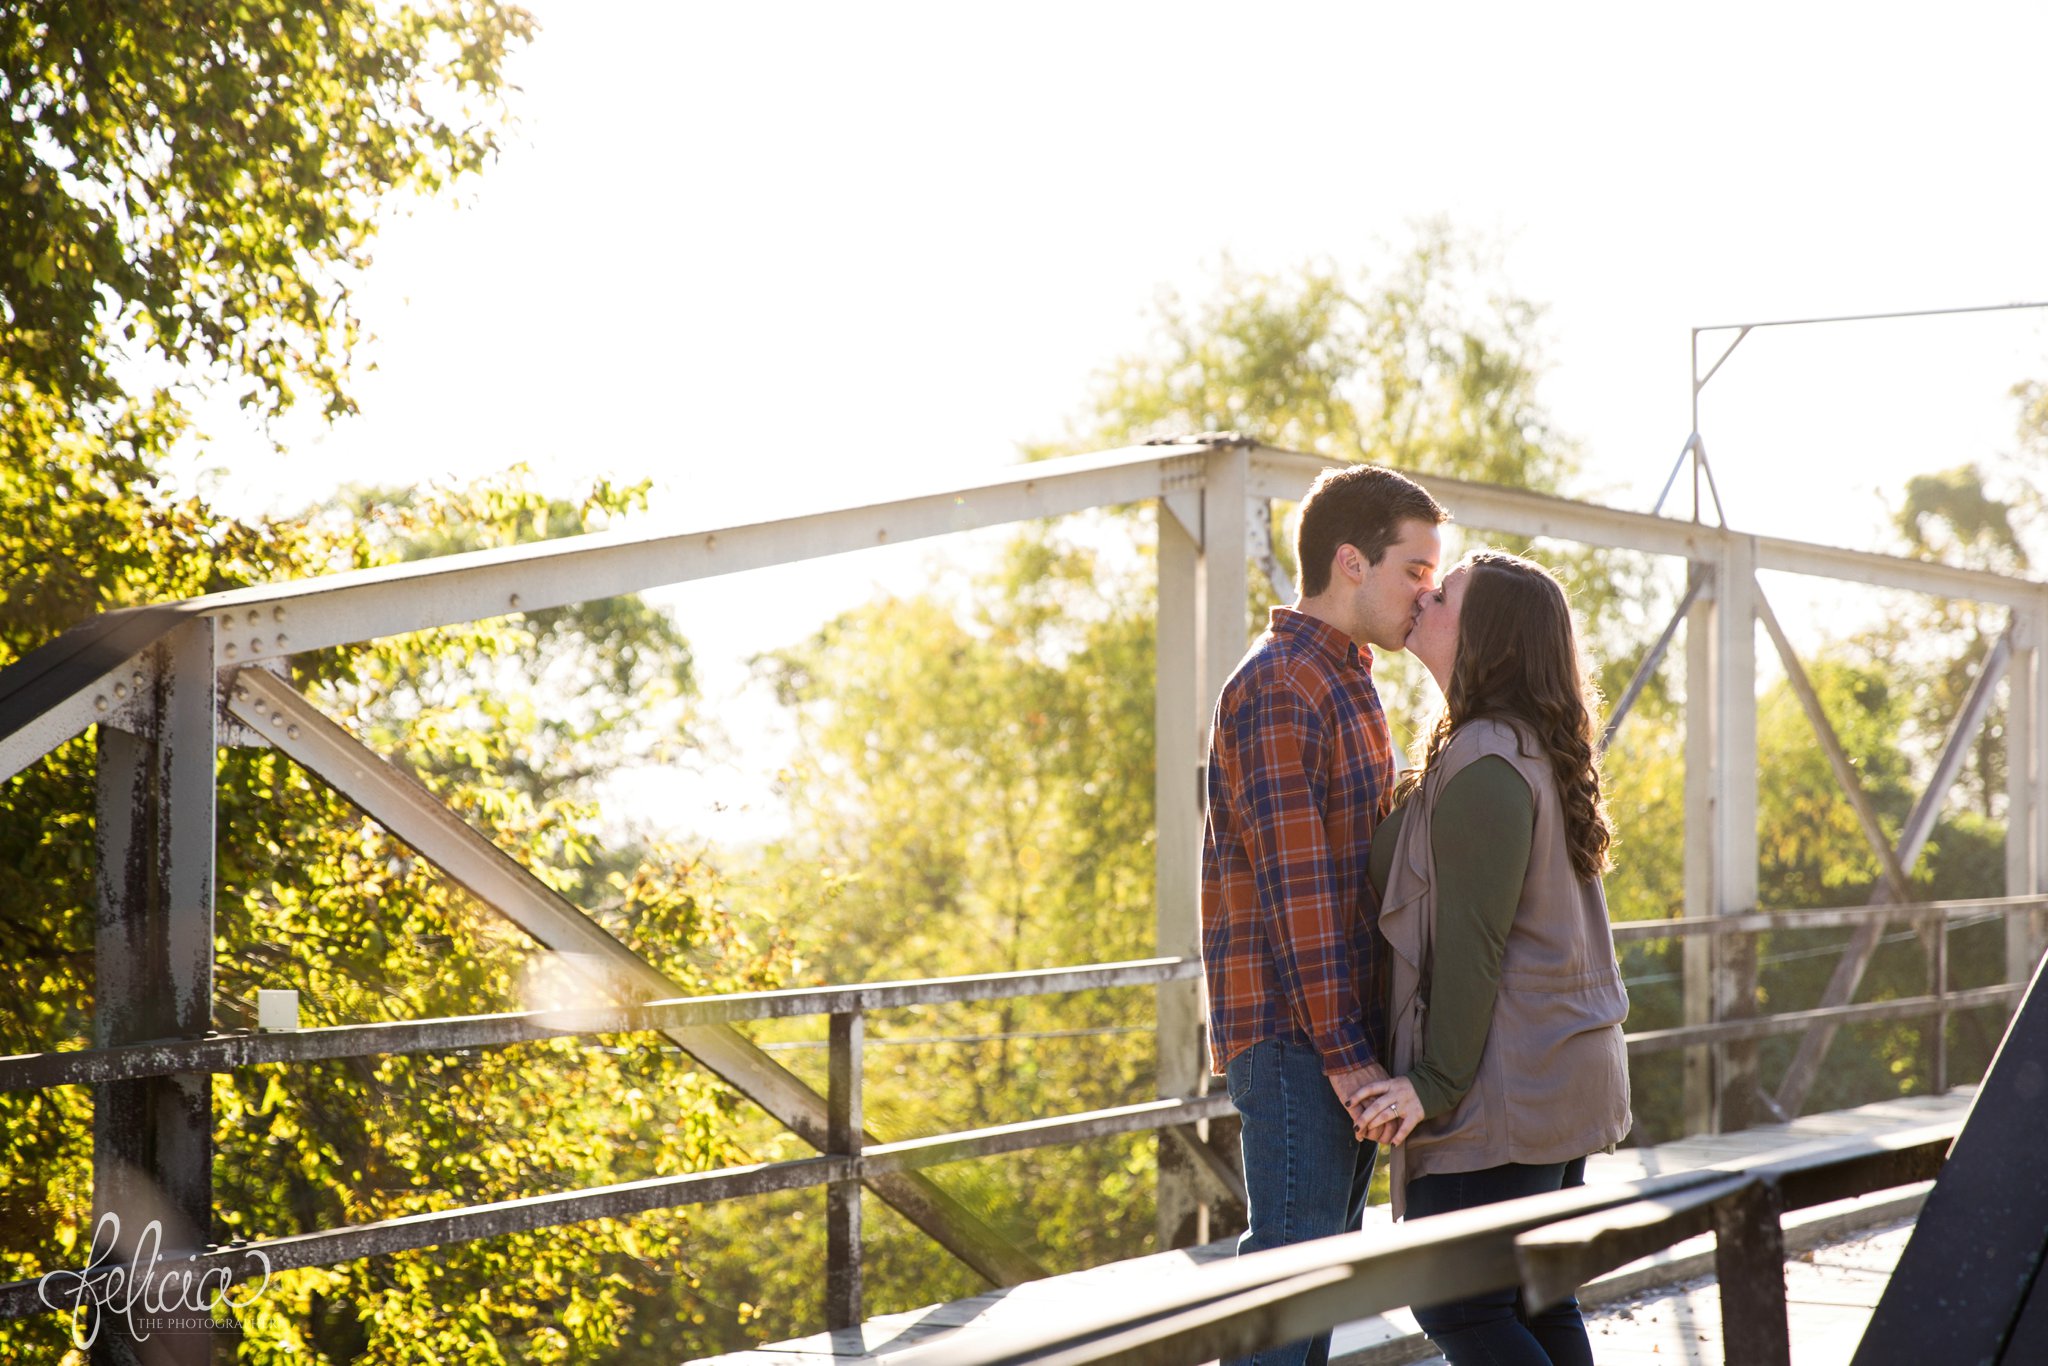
<point x="1484" y="823"/>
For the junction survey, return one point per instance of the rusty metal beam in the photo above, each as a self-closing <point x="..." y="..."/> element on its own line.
<point x="1749" y="1264"/>
<point x="911" y="1154"/>
<point x="153" y="962"/>
<point x="412" y="1232"/>
<point x="225" y="1052"/>
<point x="328" y="1246"/>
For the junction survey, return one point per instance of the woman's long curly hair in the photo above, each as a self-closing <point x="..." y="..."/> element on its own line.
<point x="1518" y="659"/>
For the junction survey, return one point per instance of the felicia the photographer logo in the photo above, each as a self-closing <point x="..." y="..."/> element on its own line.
<point x="152" y="1294"/>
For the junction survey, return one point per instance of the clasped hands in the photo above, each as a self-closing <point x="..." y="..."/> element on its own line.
<point x="1383" y="1109"/>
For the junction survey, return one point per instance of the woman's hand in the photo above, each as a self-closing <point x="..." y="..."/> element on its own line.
<point x="1385" y="1111"/>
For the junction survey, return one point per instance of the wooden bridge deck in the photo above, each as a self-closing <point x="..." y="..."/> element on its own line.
<point x="1829" y="1294"/>
<point x="1661" y="1309"/>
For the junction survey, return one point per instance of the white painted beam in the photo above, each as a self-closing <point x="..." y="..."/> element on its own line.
<point x="112" y="698"/>
<point x="1179" y="721"/>
<point x="264" y="623"/>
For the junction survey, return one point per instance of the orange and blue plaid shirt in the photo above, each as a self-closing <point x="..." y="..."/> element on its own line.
<point x="1300" y="767"/>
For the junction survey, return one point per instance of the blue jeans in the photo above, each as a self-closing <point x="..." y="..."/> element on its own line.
<point x="1304" y="1171"/>
<point x="1494" y="1329"/>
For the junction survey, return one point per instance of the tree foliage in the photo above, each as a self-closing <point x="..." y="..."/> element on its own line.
<point x="314" y="896"/>
<point x="974" y="785"/>
<point x="189" y="195"/>
<point x="198" y="185"/>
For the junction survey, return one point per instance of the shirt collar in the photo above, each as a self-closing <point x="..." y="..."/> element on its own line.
<point x="1319" y="635"/>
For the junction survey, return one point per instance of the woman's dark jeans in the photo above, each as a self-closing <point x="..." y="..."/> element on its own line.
<point x="1493" y="1329"/>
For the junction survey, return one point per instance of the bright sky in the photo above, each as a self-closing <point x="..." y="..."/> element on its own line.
<point x="747" y="249"/>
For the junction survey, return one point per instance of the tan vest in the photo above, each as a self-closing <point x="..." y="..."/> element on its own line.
<point x="1552" y="1083"/>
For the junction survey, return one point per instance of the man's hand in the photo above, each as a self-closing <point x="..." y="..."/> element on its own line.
<point x="1348" y="1083"/>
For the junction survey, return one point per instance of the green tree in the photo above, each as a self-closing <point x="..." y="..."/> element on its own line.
<point x="1430" y="365"/>
<point x="189" y="196"/>
<point x="314" y="896"/>
<point x="966" y="799"/>
<point x="974" y="784"/>
<point x="197" y="187"/>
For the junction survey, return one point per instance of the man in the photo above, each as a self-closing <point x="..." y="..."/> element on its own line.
<point x="1300" y="764"/>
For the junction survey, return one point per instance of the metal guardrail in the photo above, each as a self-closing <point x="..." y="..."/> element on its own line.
<point x="1931" y="918"/>
<point x="1545" y="1245"/>
<point x="167" y="685"/>
<point x="850" y="1158"/>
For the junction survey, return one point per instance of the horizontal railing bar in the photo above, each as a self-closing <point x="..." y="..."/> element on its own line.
<point x="1791" y="1022"/>
<point x="1856" y="1166"/>
<point x="1820" y="917"/>
<point x="1557" y="1258"/>
<point x="1235" y="1306"/>
<point x="1042" y="1133"/>
<point x="1446" y="1255"/>
<point x="415" y="1231"/>
<point x="224" y="1053"/>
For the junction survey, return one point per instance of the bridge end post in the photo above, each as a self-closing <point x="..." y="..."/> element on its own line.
<point x="153" y="845"/>
<point x="843" y="1295"/>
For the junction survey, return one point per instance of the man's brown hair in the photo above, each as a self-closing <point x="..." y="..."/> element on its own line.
<point x="1361" y="505"/>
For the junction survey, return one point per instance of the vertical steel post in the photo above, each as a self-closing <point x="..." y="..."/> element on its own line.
<point x="1938" y="970"/>
<point x="2024" y="732"/>
<point x="153" y="964"/>
<point x="1735" y="837"/>
<point x="1697" y="950"/>
<point x="1749" y="1264"/>
<point x="1225" y="583"/>
<point x="1179" y="726"/>
<point x="842" y="1198"/>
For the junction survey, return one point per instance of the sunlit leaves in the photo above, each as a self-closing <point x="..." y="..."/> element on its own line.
<point x="315" y="897"/>
<point x="201" y="185"/>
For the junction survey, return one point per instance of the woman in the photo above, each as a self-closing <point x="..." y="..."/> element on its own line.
<point x="1507" y="1001"/>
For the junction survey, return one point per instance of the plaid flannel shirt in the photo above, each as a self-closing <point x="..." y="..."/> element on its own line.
<point x="1300" y="769"/>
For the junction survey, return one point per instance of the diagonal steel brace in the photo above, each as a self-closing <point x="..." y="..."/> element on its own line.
<point x="397" y="800"/>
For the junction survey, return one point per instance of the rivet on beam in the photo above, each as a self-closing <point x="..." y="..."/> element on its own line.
<point x="291" y="732"/>
<point x="138" y="678"/>
<point x="515" y="602"/>
<point x="120" y="690"/>
<point x="99" y="704"/>
<point x="280" y="640"/>
<point x="278" y="615"/>
<point x="231" y="650"/>
<point x="254" y="616"/>
<point x="255" y="644"/>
